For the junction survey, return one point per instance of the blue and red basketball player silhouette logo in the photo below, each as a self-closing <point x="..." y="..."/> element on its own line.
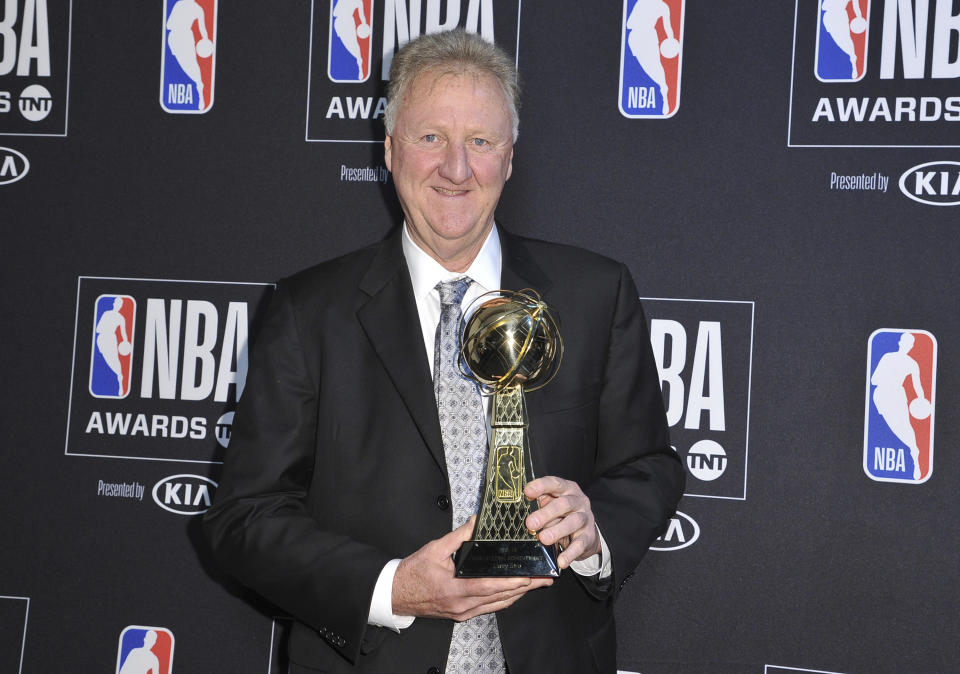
<point x="111" y="359"/>
<point x="351" y="40"/>
<point x="843" y="28"/>
<point x="189" y="55"/>
<point x="651" y="49"/>
<point x="145" y="650"/>
<point x="901" y="392"/>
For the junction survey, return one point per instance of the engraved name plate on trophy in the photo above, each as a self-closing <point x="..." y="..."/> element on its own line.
<point x="510" y="345"/>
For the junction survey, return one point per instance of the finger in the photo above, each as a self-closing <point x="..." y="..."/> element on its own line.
<point x="502" y="601"/>
<point x="548" y="484"/>
<point x="451" y="542"/>
<point x="574" y="525"/>
<point x="557" y="509"/>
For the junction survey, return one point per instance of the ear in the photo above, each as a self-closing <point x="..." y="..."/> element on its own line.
<point x="509" y="166"/>
<point x="387" y="145"/>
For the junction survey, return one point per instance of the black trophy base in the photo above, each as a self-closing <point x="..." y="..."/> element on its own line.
<point x="498" y="559"/>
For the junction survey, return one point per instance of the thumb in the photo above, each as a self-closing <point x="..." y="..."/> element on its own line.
<point x="462" y="533"/>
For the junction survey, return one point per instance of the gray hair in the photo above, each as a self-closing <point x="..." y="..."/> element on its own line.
<point x="456" y="50"/>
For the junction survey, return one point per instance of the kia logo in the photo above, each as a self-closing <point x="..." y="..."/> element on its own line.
<point x="184" y="494"/>
<point x="936" y="183"/>
<point x="13" y="165"/>
<point x="682" y="532"/>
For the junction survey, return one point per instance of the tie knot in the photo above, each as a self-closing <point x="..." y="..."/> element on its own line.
<point x="452" y="292"/>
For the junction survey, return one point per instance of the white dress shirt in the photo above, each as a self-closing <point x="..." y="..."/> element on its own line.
<point x="425" y="274"/>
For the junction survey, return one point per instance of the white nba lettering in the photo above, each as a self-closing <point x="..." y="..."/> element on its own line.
<point x="335" y="108"/>
<point x="434" y="25"/>
<point x="944" y="25"/>
<point x="9" y="167"/>
<point x="159" y="426"/>
<point x="95" y="423"/>
<point x="117" y="423"/>
<point x="823" y="110"/>
<point x="399" y="26"/>
<point x="889" y="459"/>
<point x="708" y="354"/>
<point x="159" y="349"/>
<point x="198" y="428"/>
<point x="4" y="101"/>
<point x="674" y="531"/>
<point x="913" y="37"/>
<point x="178" y="427"/>
<point x="179" y="94"/>
<point x="881" y="109"/>
<point x="171" y="493"/>
<point x="356" y="107"/>
<point x="858" y="108"/>
<point x="483" y="8"/>
<point x="659" y="329"/>
<point x="641" y="97"/>
<point x="8" y="56"/>
<point x="359" y="105"/>
<point x="140" y="426"/>
<point x="34" y="39"/>
<point x="234" y="347"/>
<point x="906" y="108"/>
<point x="197" y="351"/>
<point x="925" y="104"/>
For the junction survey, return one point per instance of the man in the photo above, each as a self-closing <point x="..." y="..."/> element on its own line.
<point x="336" y="500"/>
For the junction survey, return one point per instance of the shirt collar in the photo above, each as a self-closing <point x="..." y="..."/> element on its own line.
<point x="426" y="273"/>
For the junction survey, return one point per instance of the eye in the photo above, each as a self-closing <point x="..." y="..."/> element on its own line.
<point x="480" y="142"/>
<point x="430" y="138"/>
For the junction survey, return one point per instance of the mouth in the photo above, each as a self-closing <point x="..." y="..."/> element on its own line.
<point x="449" y="193"/>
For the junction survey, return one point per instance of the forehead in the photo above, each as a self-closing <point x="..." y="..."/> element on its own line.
<point x="466" y="93"/>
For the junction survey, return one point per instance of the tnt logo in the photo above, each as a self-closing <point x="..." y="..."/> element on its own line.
<point x="651" y="49"/>
<point x="351" y="41"/>
<point x="112" y="357"/>
<point x="842" y="36"/>
<point x="145" y="650"/>
<point x="703" y="350"/>
<point x="34" y="65"/>
<point x="901" y="388"/>
<point x="189" y="56"/>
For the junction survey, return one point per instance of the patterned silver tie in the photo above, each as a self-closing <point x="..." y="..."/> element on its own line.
<point x="475" y="646"/>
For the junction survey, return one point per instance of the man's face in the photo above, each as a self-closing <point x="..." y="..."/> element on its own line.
<point x="450" y="153"/>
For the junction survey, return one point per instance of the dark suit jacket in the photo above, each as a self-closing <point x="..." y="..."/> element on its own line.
<point x="336" y="464"/>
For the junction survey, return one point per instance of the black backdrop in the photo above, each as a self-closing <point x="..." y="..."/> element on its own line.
<point x="792" y="559"/>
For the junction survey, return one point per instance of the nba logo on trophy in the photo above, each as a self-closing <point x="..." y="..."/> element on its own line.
<point x="351" y="40"/>
<point x="111" y="359"/>
<point x="842" y="37"/>
<point x="651" y="48"/>
<point x="189" y="56"/>
<point x="901" y="394"/>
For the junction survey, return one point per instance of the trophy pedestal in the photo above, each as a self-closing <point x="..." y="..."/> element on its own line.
<point x="490" y="559"/>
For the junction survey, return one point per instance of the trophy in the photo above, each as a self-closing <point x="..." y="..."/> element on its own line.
<point x="509" y="345"/>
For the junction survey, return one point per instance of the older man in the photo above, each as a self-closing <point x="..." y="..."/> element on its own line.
<point x="349" y="483"/>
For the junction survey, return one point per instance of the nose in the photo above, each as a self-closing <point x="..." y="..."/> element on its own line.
<point x="455" y="166"/>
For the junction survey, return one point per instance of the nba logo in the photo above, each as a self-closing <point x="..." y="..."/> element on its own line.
<point x="189" y="56"/>
<point x="144" y="650"/>
<point x="351" y="41"/>
<point x="111" y="359"/>
<point x="901" y="398"/>
<point x="842" y="29"/>
<point x="651" y="47"/>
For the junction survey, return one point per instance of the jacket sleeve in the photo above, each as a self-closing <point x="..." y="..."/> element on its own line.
<point x="639" y="478"/>
<point x="259" y="527"/>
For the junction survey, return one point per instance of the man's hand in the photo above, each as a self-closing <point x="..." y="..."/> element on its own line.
<point x="425" y="584"/>
<point x="564" y="517"/>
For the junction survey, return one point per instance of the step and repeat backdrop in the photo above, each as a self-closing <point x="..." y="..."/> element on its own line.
<point x="782" y="178"/>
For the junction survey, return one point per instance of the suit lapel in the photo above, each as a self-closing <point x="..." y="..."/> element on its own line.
<point x="390" y="322"/>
